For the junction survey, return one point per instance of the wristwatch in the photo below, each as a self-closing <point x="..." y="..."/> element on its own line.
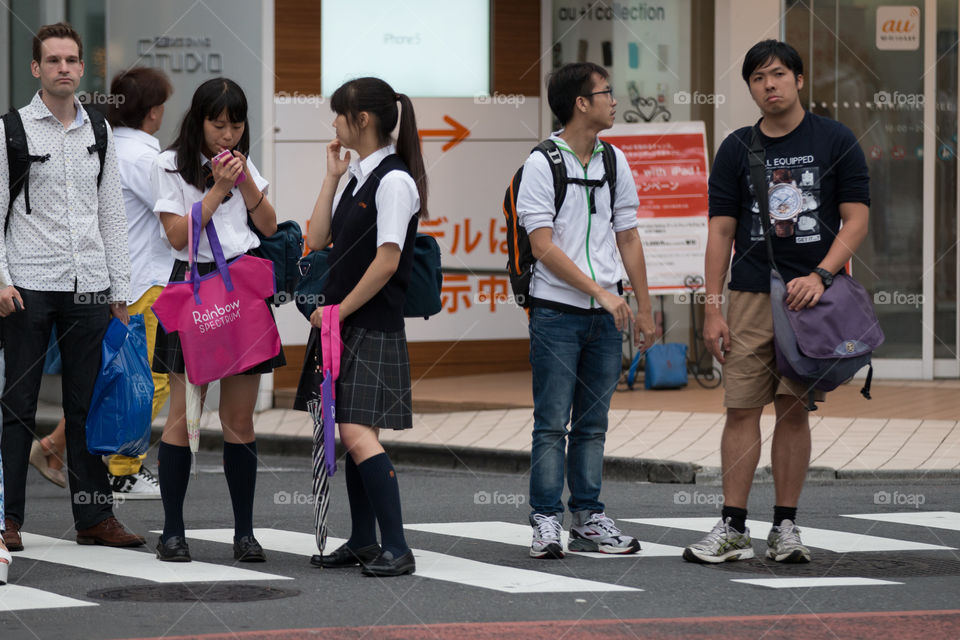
<point x="825" y="276"/>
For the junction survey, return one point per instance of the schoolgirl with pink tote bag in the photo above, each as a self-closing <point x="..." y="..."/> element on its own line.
<point x="215" y="322"/>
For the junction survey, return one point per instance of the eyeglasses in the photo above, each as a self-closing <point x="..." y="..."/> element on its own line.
<point x="597" y="93"/>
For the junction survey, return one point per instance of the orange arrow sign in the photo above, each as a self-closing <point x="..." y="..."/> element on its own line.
<point x="459" y="133"/>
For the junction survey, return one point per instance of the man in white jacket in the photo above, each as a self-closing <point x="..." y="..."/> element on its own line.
<point x="577" y="313"/>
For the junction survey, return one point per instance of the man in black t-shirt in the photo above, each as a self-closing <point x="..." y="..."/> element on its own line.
<point x="817" y="178"/>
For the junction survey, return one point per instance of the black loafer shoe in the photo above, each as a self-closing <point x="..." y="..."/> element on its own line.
<point x="346" y="557"/>
<point x="175" y="549"/>
<point x="386" y="565"/>
<point x="247" y="549"/>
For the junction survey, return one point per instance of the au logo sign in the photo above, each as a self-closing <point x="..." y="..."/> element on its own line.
<point x="898" y="28"/>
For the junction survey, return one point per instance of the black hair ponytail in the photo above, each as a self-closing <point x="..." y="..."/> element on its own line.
<point x="408" y="148"/>
<point x="377" y="98"/>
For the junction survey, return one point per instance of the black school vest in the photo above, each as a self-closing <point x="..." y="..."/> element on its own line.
<point x="354" y="231"/>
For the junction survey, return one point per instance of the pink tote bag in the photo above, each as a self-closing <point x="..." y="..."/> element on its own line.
<point x="222" y="318"/>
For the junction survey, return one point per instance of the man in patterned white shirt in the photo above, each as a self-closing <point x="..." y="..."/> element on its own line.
<point x="64" y="260"/>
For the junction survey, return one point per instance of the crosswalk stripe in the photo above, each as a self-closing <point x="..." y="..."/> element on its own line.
<point x="132" y="564"/>
<point x="519" y="535"/>
<point x="437" y="566"/>
<point x="803" y="583"/>
<point x="936" y="519"/>
<point x="16" y="598"/>
<point x="837" y="541"/>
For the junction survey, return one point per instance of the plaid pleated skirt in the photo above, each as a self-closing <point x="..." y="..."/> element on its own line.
<point x="167" y="352"/>
<point x="374" y="384"/>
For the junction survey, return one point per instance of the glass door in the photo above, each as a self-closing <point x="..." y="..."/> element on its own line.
<point x="872" y="66"/>
<point x="946" y="266"/>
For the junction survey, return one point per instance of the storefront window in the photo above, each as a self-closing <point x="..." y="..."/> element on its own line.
<point x="88" y="17"/>
<point x="945" y="201"/>
<point x="875" y="89"/>
<point x="26" y="16"/>
<point x="659" y="55"/>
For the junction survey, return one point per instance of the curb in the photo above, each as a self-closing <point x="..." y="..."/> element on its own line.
<point x="712" y="476"/>
<point x="615" y="468"/>
<point x="488" y="460"/>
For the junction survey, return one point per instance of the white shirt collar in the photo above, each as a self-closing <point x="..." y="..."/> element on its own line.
<point x="40" y="111"/>
<point x="138" y="135"/>
<point x="360" y="169"/>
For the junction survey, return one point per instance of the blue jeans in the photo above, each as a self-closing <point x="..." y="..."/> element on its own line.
<point x="576" y="362"/>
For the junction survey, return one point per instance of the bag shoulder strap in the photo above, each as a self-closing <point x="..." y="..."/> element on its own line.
<point x="551" y="151"/>
<point x="99" y="123"/>
<point x="17" y="153"/>
<point x="610" y="174"/>
<point x="757" y="159"/>
<point x="19" y="160"/>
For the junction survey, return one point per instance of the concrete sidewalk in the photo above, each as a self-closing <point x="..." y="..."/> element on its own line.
<point x="485" y="422"/>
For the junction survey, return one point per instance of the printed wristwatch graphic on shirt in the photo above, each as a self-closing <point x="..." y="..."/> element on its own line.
<point x="794" y="193"/>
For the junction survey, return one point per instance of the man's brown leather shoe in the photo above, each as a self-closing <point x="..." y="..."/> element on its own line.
<point x="109" y="533"/>
<point x="11" y="535"/>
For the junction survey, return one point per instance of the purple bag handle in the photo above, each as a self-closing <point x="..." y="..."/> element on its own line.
<point x="196" y="220"/>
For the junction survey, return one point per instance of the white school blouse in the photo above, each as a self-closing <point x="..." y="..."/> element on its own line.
<point x="150" y="259"/>
<point x="174" y="195"/>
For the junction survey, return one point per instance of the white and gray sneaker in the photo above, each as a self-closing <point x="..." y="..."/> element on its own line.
<point x="597" y="532"/>
<point x="722" y="544"/>
<point x="546" y="536"/>
<point x="141" y="485"/>
<point x="784" y="544"/>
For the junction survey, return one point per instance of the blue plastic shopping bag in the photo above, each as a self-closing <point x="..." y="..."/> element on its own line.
<point x="120" y="410"/>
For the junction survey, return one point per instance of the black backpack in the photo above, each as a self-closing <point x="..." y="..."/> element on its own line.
<point x="423" y="291"/>
<point x="19" y="158"/>
<point x="284" y="248"/>
<point x="521" y="261"/>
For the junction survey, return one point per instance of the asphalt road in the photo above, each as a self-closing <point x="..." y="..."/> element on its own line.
<point x="476" y="580"/>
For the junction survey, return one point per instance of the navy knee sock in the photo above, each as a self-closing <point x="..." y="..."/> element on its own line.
<point x="380" y="482"/>
<point x="363" y="521"/>
<point x="240" y="468"/>
<point x="173" y="469"/>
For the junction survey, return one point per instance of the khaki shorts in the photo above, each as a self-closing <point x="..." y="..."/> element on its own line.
<point x="750" y="376"/>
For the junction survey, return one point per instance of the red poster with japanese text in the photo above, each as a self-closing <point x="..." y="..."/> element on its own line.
<point x="668" y="161"/>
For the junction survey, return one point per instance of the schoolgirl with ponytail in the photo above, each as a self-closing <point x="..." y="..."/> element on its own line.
<point x="372" y="224"/>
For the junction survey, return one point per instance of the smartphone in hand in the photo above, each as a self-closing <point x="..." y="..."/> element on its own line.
<point x="223" y="156"/>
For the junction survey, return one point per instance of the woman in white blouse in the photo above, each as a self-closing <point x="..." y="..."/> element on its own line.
<point x="232" y="191"/>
